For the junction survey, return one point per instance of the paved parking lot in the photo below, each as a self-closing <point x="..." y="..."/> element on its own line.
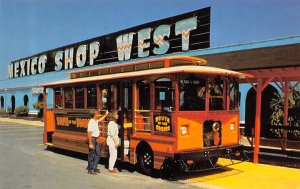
<point x="24" y="163"/>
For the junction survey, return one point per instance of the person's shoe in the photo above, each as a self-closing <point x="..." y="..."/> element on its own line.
<point x="92" y="172"/>
<point x="112" y="171"/>
<point x="97" y="170"/>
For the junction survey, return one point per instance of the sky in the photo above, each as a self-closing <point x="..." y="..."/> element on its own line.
<point x="28" y="27"/>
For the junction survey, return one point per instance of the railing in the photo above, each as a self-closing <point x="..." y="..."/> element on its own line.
<point x="142" y="121"/>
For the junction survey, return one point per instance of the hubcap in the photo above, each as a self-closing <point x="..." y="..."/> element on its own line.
<point x="147" y="159"/>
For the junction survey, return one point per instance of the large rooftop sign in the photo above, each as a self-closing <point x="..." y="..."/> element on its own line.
<point x="184" y="32"/>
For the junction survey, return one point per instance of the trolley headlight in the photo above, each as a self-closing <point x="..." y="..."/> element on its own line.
<point x="184" y="130"/>
<point x="216" y="126"/>
<point x="232" y="126"/>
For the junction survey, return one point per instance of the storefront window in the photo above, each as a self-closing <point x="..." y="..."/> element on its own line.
<point x="192" y="94"/>
<point x="234" y="95"/>
<point x="164" y="95"/>
<point x="91" y="97"/>
<point x="68" y="98"/>
<point x="58" y="98"/>
<point x="216" y="93"/>
<point x="79" y="96"/>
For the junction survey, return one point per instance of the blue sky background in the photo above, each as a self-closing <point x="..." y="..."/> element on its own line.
<point x="31" y="26"/>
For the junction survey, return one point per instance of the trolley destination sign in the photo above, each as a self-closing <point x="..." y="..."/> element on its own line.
<point x="190" y="31"/>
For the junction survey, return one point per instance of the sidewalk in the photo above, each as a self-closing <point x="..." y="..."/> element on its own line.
<point x="23" y="122"/>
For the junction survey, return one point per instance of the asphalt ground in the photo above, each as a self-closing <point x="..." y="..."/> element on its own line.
<point x="26" y="163"/>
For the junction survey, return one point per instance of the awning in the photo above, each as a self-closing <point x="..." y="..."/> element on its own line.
<point x="160" y="71"/>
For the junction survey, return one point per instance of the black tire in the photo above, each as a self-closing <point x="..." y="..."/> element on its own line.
<point x="214" y="161"/>
<point x="167" y="170"/>
<point x="145" y="160"/>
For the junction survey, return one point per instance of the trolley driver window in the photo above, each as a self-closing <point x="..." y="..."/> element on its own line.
<point x="216" y="93"/>
<point x="192" y="94"/>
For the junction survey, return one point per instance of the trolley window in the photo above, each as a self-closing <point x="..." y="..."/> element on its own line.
<point x="79" y="98"/>
<point x="144" y="95"/>
<point x="192" y="94"/>
<point x="91" y="97"/>
<point x="164" y="94"/>
<point x="234" y="95"/>
<point x="142" y="116"/>
<point x="69" y="98"/>
<point x="216" y="93"/>
<point x="58" y="98"/>
<point x="107" y="97"/>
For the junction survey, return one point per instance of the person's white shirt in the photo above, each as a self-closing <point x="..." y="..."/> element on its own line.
<point x="112" y="133"/>
<point x="94" y="128"/>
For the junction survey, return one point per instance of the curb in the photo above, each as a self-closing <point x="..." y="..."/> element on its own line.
<point x="20" y="123"/>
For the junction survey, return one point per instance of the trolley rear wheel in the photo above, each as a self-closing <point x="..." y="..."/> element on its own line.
<point x="145" y="160"/>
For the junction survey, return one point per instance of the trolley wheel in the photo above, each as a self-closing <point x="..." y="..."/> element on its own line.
<point x="215" y="160"/>
<point x="145" y="160"/>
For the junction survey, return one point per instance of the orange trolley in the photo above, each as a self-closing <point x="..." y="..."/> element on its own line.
<point x="176" y="113"/>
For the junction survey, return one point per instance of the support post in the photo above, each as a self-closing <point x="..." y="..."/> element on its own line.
<point x="257" y="120"/>
<point x="135" y="101"/>
<point x="99" y="101"/>
<point x="285" y="112"/>
<point x="85" y="97"/>
<point x="261" y="85"/>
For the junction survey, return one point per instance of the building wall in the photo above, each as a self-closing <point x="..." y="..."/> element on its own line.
<point x="19" y="98"/>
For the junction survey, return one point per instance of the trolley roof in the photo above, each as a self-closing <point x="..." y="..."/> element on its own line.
<point x="153" y="72"/>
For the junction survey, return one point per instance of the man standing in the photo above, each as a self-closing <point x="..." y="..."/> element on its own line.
<point x="94" y="147"/>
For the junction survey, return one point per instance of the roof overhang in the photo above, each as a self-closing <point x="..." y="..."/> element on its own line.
<point x="171" y="70"/>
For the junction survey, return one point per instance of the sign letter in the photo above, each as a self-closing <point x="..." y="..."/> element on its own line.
<point x="58" y="60"/>
<point x="159" y="34"/>
<point x="94" y="51"/>
<point x="81" y="56"/>
<point x="124" y="44"/>
<point x="69" y="58"/>
<point x="17" y="65"/>
<point x="184" y="27"/>
<point x="22" y="70"/>
<point x="142" y="36"/>
<point x="10" y="71"/>
<point x="42" y="63"/>
<point x="33" y="65"/>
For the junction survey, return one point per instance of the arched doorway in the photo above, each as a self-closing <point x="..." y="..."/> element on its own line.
<point x="41" y="98"/>
<point x="13" y="104"/>
<point x="25" y="100"/>
<point x="2" y="102"/>
<point x="269" y="93"/>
